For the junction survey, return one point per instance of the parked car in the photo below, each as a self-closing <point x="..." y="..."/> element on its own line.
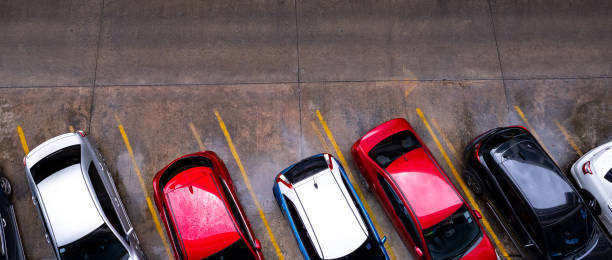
<point x="545" y="213"/>
<point x="432" y="218"/>
<point x="593" y="174"/>
<point x="197" y="202"/>
<point x="10" y="240"/>
<point x="78" y="202"/>
<point x="327" y="218"/>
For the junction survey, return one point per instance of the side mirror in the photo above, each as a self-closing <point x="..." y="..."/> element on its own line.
<point x="418" y="252"/>
<point x="257" y="244"/>
<point x="383" y="240"/>
<point x="478" y="215"/>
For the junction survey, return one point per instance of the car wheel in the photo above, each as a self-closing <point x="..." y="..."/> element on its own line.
<point x="473" y="182"/>
<point x="591" y="202"/>
<point x="6" y="186"/>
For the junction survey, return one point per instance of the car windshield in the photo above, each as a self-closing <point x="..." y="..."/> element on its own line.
<point x="392" y="147"/>
<point x="452" y="236"/>
<point x="56" y="161"/>
<point x="99" y="244"/>
<point x="370" y="250"/>
<point x="569" y="234"/>
<point x="237" y="250"/>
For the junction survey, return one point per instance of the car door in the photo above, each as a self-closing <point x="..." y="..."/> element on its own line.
<point x="401" y="215"/>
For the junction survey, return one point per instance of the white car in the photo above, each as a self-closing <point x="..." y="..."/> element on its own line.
<point x="327" y="218"/>
<point x="593" y="174"/>
<point x="77" y="201"/>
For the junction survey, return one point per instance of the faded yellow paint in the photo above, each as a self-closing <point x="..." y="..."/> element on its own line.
<point x="330" y="136"/>
<point x="245" y="177"/>
<point x="459" y="180"/>
<point x="196" y="136"/>
<point x="568" y="138"/>
<point x="128" y="146"/>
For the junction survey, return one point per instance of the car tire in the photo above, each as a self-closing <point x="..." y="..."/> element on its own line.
<point x="591" y="202"/>
<point x="6" y="186"/>
<point x="473" y="182"/>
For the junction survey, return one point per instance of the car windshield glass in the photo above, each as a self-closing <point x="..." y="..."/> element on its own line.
<point x="56" y="161"/>
<point x="99" y="244"/>
<point x="237" y="250"/>
<point x="608" y="176"/>
<point x="370" y="250"/>
<point x="569" y="234"/>
<point x="452" y="236"/>
<point x="306" y="168"/>
<point x="392" y="147"/>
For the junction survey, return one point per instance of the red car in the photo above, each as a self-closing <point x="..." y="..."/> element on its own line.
<point x="203" y="218"/>
<point x="432" y="218"/>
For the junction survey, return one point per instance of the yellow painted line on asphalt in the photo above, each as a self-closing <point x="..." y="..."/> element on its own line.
<point x="143" y="186"/>
<point x="320" y="136"/>
<point x="197" y="136"/>
<point x="568" y="138"/>
<point x="330" y="136"/>
<point x="531" y="129"/>
<point x="445" y="139"/>
<point x="245" y="177"/>
<point x="408" y="91"/>
<point x="22" y="139"/>
<point x="459" y="180"/>
<point x="71" y="128"/>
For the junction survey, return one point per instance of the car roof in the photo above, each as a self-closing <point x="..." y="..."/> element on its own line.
<point x="424" y="187"/>
<point x="330" y="216"/>
<point x="199" y="213"/>
<point x="71" y="211"/>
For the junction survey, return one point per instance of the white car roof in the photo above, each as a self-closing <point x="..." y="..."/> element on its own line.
<point x="71" y="211"/>
<point x="50" y="146"/>
<point x="329" y="214"/>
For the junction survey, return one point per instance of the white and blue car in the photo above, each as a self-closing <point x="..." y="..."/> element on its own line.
<point x="325" y="214"/>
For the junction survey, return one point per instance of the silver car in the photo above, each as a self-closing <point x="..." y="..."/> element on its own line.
<point x="78" y="202"/>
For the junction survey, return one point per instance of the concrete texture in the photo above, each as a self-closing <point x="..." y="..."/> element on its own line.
<point x="45" y="43"/>
<point x="178" y="42"/>
<point x="159" y="66"/>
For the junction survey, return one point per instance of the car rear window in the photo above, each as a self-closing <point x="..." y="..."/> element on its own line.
<point x="306" y="168"/>
<point x="56" y="161"/>
<point x="182" y="165"/>
<point x="392" y="147"/>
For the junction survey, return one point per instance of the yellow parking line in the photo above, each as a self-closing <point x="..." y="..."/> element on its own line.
<point x="568" y="138"/>
<point x="408" y="91"/>
<point x="245" y="177"/>
<point x="143" y="186"/>
<point x="320" y="136"/>
<point x="445" y="139"/>
<point x="459" y="180"/>
<point x="531" y="129"/>
<point x="330" y="136"/>
<point x="24" y="144"/>
<point x="71" y="128"/>
<point x="197" y="136"/>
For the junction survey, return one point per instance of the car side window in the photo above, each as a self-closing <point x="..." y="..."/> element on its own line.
<point x="173" y="235"/>
<point x="400" y="210"/>
<point x="104" y="199"/>
<point x="608" y="176"/>
<point x="301" y="229"/>
<point x="236" y="212"/>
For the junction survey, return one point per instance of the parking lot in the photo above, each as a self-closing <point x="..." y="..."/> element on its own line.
<point x="267" y="83"/>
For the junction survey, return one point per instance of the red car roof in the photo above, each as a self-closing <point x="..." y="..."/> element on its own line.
<point x="199" y="213"/>
<point x="423" y="185"/>
<point x="432" y="199"/>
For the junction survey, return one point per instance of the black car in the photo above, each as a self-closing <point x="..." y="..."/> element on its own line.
<point x="10" y="241"/>
<point x="546" y="214"/>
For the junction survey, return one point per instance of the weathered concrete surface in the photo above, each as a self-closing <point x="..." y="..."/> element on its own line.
<point x="42" y="113"/>
<point x="161" y="42"/>
<point x="262" y="120"/>
<point x="382" y="40"/>
<point x="547" y="38"/>
<point x="48" y="43"/>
